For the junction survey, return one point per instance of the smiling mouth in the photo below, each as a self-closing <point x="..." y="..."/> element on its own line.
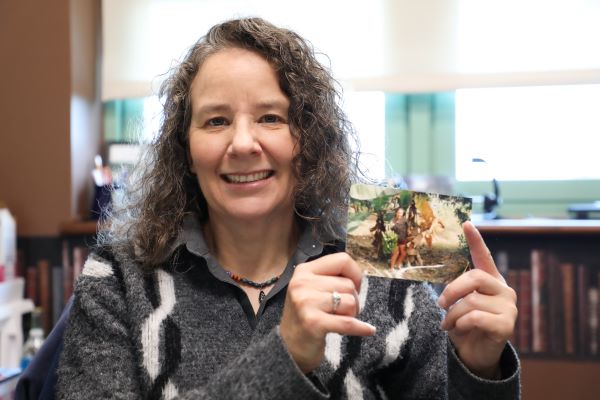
<point x="247" y="178"/>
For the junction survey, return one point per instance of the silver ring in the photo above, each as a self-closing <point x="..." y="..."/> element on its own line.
<point x="336" y="299"/>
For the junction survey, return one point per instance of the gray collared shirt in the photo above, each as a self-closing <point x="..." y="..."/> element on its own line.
<point x="192" y="237"/>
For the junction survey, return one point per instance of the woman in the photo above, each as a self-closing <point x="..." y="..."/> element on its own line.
<point x="223" y="277"/>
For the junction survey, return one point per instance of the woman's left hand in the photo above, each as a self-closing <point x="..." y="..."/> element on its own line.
<point x="481" y="309"/>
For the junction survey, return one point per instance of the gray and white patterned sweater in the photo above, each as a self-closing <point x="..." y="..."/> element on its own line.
<point x="187" y="331"/>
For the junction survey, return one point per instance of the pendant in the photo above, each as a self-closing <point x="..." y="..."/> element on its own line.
<point x="261" y="296"/>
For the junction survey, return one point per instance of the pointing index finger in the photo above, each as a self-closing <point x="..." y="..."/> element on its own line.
<point x="482" y="258"/>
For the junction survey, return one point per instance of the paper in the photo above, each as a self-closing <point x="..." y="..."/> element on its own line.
<point x="408" y="235"/>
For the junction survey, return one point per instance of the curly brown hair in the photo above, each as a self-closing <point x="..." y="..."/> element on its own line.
<point x="167" y="190"/>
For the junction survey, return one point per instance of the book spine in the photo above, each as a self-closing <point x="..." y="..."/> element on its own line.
<point x="583" y="284"/>
<point x="79" y="256"/>
<point x="31" y="284"/>
<point x="44" y="285"/>
<point x="524" y="310"/>
<point x="598" y="313"/>
<point x="568" y="290"/>
<point x="20" y="270"/>
<point x="593" y="320"/>
<point x="67" y="270"/>
<point x="556" y="320"/>
<point x="513" y="281"/>
<point x="539" y="302"/>
<point x="57" y="293"/>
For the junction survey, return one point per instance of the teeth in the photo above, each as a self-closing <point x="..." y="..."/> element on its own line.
<point x="247" y="178"/>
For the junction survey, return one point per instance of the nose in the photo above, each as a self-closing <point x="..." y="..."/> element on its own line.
<point x="243" y="139"/>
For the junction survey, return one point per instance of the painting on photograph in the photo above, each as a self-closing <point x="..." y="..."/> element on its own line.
<point x="408" y="235"/>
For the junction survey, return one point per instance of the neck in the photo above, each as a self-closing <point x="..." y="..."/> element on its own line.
<point x="254" y="250"/>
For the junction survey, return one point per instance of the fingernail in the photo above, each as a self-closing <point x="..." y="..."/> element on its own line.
<point x="442" y="301"/>
<point x="443" y="325"/>
<point x="370" y="326"/>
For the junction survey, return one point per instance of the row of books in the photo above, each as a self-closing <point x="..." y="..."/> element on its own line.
<point x="558" y="303"/>
<point x="558" y="300"/>
<point x="51" y="286"/>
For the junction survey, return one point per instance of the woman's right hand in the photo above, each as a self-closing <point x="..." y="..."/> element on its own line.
<point x="309" y="314"/>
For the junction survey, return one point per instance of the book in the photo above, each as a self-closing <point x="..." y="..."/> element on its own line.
<point x="512" y="279"/>
<point x="556" y="332"/>
<point x="583" y="284"/>
<point x="598" y="312"/>
<point x="539" y="302"/>
<point x="502" y="263"/>
<point x="524" y="318"/>
<point x="567" y="272"/>
<point x="45" y="299"/>
<point x="593" y="321"/>
<point x="57" y="293"/>
<point x="79" y="255"/>
<point x="67" y="270"/>
<point x="31" y="284"/>
<point x="20" y="270"/>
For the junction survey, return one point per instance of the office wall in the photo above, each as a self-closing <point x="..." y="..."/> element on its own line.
<point x="40" y="178"/>
<point x="34" y="113"/>
<point x="86" y="106"/>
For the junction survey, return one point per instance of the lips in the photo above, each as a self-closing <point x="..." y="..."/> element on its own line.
<point x="247" y="178"/>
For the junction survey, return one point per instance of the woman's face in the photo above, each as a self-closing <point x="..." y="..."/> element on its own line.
<point x="240" y="142"/>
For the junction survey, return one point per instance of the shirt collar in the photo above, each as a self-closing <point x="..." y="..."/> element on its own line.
<point x="192" y="237"/>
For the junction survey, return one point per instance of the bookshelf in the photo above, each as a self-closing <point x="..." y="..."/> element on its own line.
<point x="76" y="238"/>
<point x="557" y="333"/>
<point x="51" y="267"/>
<point x="545" y="375"/>
<point x="79" y="228"/>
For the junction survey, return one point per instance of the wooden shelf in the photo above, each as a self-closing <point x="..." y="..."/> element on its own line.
<point x="554" y="380"/>
<point x="75" y="227"/>
<point x="560" y="357"/>
<point x="538" y="226"/>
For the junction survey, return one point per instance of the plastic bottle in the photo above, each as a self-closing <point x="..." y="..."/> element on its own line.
<point x="34" y="340"/>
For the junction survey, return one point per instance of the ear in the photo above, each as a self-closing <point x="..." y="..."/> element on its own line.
<point x="189" y="162"/>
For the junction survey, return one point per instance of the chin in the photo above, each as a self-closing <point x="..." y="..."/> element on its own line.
<point x="252" y="211"/>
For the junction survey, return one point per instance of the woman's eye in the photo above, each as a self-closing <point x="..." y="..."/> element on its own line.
<point x="218" y="121"/>
<point x="270" y="119"/>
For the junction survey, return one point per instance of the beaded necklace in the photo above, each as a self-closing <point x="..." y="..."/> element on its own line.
<point x="251" y="283"/>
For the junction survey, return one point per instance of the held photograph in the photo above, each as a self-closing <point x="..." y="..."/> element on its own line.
<point x="405" y="234"/>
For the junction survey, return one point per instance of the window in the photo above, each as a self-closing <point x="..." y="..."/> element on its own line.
<point x="528" y="133"/>
<point x="366" y="111"/>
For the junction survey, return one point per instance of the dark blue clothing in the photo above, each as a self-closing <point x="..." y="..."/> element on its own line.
<point x="38" y="381"/>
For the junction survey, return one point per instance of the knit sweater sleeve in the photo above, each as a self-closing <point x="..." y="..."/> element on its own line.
<point x="429" y="368"/>
<point x="102" y="360"/>
<point x="463" y="384"/>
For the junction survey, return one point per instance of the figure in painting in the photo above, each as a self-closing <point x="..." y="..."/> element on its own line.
<point x="428" y="223"/>
<point x="378" y="239"/>
<point x="413" y="257"/>
<point x="400" y="228"/>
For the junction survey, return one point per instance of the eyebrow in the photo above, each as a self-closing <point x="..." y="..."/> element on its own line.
<point x="270" y="104"/>
<point x="275" y="103"/>
<point x="210" y="108"/>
